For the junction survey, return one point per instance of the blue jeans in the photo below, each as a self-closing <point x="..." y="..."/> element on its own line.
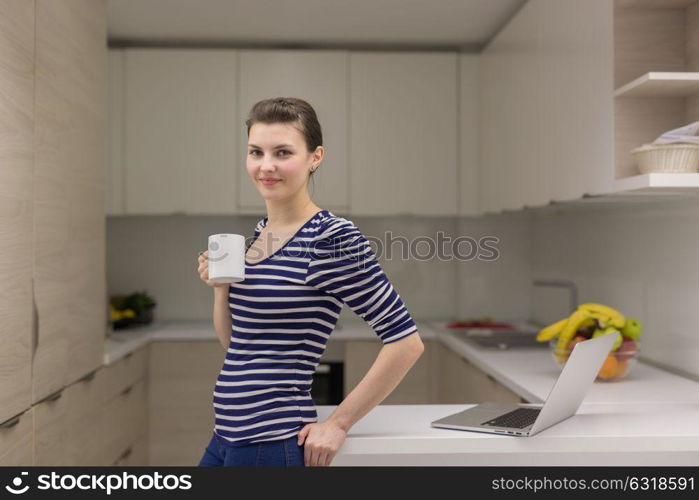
<point x="279" y="453"/>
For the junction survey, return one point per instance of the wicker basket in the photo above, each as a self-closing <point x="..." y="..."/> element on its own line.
<point x="667" y="158"/>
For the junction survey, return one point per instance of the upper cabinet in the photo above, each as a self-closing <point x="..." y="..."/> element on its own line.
<point x="547" y="105"/>
<point x="403" y="133"/>
<point x="656" y="56"/>
<point x="180" y="151"/>
<point x="469" y="136"/>
<point x="569" y="88"/>
<point x="400" y="129"/>
<point x="319" y="77"/>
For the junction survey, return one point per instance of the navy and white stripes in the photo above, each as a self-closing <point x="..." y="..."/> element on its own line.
<point x="282" y="315"/>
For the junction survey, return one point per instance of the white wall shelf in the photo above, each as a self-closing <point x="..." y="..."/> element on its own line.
<point x="658" y="184"/>
<point x="661" y="84"/>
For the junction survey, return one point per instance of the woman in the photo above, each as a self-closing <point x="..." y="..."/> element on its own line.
<point x="303" y="265"/>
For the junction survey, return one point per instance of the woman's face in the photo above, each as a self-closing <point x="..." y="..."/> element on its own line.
<point x="277" y="151"/>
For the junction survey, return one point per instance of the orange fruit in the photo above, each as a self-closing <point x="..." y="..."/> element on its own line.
<point x="609" y="367"/>
<point x="621" y="368"/>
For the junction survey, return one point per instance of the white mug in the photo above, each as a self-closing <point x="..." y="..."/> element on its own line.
<point x="226" y="258"/>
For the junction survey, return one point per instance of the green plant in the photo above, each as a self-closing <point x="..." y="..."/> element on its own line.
<point x="138" y="302"/>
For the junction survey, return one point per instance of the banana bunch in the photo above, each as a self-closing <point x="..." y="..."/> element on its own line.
<point x="606" y="320"/>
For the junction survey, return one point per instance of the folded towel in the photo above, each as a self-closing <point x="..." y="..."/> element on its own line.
<point x="685" y="134"/>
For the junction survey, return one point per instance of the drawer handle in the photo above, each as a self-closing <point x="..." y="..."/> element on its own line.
<point x="52" y="397"/>
<point x="127" y="390"/>
<point x="490" y="377"/>
<point x="128" y="355"/>
<point x="11" y="422"/>
<point x="126" y="453"/>
<point x="88" y="377"/>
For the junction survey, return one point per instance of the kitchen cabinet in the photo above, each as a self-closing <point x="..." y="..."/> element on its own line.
<point x="319" y="77"/>
<point x="16" y="206"/>
<point x="656" y="62"/>
<point x="17" y="440"/>
<point x="547" y="105"/>
<point x="114" y="163"/>
<point x="180" y="403"/>
<point x="92" y="421"/>
<point x="415" y="388"/>
<point x="403" y="133"/>
<point x="52" y="98"/>
<point x="570" y="88"/>
<point x="459" y="381"/>
<point x="181" y="150"/>
<point x="469" y="135"/>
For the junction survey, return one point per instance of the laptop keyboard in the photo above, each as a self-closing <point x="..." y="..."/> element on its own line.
<point x="519" y="418"/>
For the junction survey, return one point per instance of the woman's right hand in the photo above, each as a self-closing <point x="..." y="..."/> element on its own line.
<point x="203" y="271"/>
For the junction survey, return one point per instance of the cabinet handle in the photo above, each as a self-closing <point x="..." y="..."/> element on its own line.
<point x="490" y="377"/>
<point x="88" y="377"/>
<point x="128" y="355"/>
<point x="11" y="422"/>
<point x="126" y="453"/>
<point x="52" y="397"/>
<point x="126" y="391"/>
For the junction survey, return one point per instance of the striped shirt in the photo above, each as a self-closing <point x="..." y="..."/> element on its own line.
<point x="283" y="313"/>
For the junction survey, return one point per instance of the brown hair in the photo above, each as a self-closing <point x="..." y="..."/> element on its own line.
<point x="288" y="110"/>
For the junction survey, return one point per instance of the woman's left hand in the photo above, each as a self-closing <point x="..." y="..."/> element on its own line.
<point x="322" y="441"/>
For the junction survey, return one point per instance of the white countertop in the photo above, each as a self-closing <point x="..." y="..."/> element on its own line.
<point x="121" y="342"/>
<point x="602" y="434"/>
<point x="649" y="418"/>
<point x="532" y="371"/>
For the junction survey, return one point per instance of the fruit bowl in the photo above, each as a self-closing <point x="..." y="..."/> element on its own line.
<point x="616" y="366"/>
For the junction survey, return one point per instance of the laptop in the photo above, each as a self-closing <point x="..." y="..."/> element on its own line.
<point x="562" y="402"/>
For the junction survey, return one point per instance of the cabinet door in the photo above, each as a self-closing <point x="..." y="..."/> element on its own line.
<point x="469" y="134"/>
<point x="578" y="100"/>
<point x="17" y="440"/>
<point x="114" y="164"/>
<point x="413" y="389"/>
<point x="69" y="224"/>
<point x="16" y="205"/>
<point x="180" y="406"/>
<point x="181" y="131"/>
<point x="319" y="77"/>
<point x="403" y="133"/>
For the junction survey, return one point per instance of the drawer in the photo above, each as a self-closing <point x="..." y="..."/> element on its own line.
<point x="124" y="372"/>
<point x="123" y="419"/>
<point x="136" y="454"/>
<point x="50" y="424"/>
<point x="17" y="440"/>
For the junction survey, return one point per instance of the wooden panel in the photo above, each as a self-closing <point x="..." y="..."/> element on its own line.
<point x="17" y="441"/>
<point x="181" y="129"/>
<point x="461" y="382"/>
<point x="121" y="421"/>
<point x="647" y="40"/>
<point x="51" y="442"/>
<point x="639" y="121"/>
<point x="415" y="388"/>
<point x="135" y="454"/>
<point x="319" y="77"/>
<point x="692" y="21"/>
<point x="403" y="141"/>
<point x="69" y="191"/>
<point x="181" y="414"/>
<point x="16" y="207"/>
<point x="124" y="372"/>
